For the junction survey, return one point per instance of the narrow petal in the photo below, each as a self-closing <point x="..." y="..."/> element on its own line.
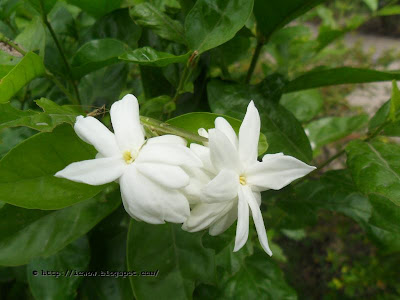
<point x="257" y="218"/>
<point x="172" y="154"/>
<point x="242" y="227"/>
<point x="222" y="188"/>
<point x="277" y="172"/>
<point x="203" y="153"/>
<point x="95" y="171"/>
<point x="203" y="215"/>
<point x="222" y="153"/>
<point x="202" y="132"/>
<point x="225" y="222"/>
<point x="93" y="132"/>
<point x="151" y="202"/>
<point x="249" y="135"/>
<point x="126" y="123"/>
<point x="167" y="175"/>
<point x="167" y="139"/>
<point x="226" y="128"/>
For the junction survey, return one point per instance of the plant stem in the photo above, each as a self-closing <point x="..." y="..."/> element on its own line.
<point x="254" y="60"/>
<point x="10" y="43"/>
<point x="187" y="72"/>
<point x="61" y="50"/>
<point x="165" y="128"/>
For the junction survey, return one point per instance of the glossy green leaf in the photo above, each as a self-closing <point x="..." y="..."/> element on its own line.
<point x="95" y="55"/>
<point x="37" y="30"/>
<point x="10" y="137"/>
<point x="74" y="257"/>
<point x="394" y="113"/>
<point x="375" y="167"/>
<point x="41" y="233"/>
<point x="343" y="75"/>
<point x="147" y="56"/>
<point x="377" y="215"/>
<point x="258" y="278"/>
<point x="147" y="15"/>
<point x="284" y="133"/>
<point x="178" y="257"/>
<point x="331" y="129"/>
<point x="305" y="105"/>
<point x="211" y="23"/>
<point x="7" y="62"/>
<point x="27" y="171"/>
<point x="273" y="15"/>
<point x="381" y="116"/>
<point x="98" y="8"/>
<point x="193" y="121"/>
<point x="156" y="107"/>
<point x="52" y="116"/>
<point x="30" y="67"/>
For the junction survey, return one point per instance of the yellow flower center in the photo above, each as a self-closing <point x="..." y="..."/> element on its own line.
<point x="242" y="180"/>
<point x="128" y="157"/>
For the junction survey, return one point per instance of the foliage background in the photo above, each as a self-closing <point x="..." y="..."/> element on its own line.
<point x="335" y="235"/>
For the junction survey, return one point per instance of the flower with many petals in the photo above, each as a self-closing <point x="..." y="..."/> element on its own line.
<point x="149" y="171"/>
<point x="236" y="179"/>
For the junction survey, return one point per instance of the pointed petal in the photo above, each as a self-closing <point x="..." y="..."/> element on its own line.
<point x="93" y="132"/>
<point x="249" y="135"/>
<point x="202" y="132"/>
<point x="167" y="139"/>
<point x="225" y="222"/>
<point x="151" y="202"/>
<point x="258" y="219"/>
<point x="203" y="215"/>
<point x="222" y="153"/>
<point x="242" y="227"/>
<point x="271" y="156"/>
<point x="222" y="188"/>
<point x="226" y="128"/>
<point x="167" y="175"/>
<point x="172" y="154"/>
<point x="126" y="123"/>
<point x="203" y="153"/>
<point x="95" y="171"/>
<point x="277" y="172"/>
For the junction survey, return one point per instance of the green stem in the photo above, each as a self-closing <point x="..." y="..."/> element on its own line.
<point x="187" y="72"/>
<point x="11" y="44"/>
<point x="165" y="128"/>
<point x="254" y="60"/>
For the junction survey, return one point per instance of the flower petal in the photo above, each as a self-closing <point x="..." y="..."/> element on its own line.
<point x="172" y="154"/>
<point x="257" y="218"/>
<point x="226" y="128"/>
<point x="242" y="227"/>
<point x="167" y="175"/>
<point x="203" y="153"/>
<point x="198" y="179"/>
<point x="276" y="172"/>
<point x="225" y="222"/>
<point x="94" y="171"/>
<point x="249" y="135"/>
<point x="223" y="187"/>
<point x="126" y="123"/>
<point x="222" y="152"/>
<point x="204" y="214"/>
<point x="167" y="139"/>
<point x="151" y="202"/>
<point x="93" y="132"/>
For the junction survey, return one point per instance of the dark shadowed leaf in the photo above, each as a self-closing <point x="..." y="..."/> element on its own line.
<point x="98" y="8"/>
<point x="147" y="56"/>
<point x="305" y="105"/>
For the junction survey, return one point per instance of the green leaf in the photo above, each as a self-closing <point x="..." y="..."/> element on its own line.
<point x="211" y="23"/>
<point x="27" y="171"/>
<point x="10" y="137"/>
<point x="146" y="15"/>
<point x="305" y="105"/>
<point x="34" y="29"/>
<point x="389" y="10"/>
<point x="147" y="56"/>
<point x="42" y="5"/>
<point x="30" y="67"/>
<point x="178" y="257"/>
<point x="331" y="129"/>
<point x="156" y="107"/>
<point x="95" y="55"/>
<point x="193" y="121"/>
<point x="273" y="15"/>
<point x="394" y="114"/>
<point x="27" y="234"/>
<point x="74" y="257"/>
<point x="7" y="62"/>
<point x="258" y="278"/>
<point x="284" y="133"/>
<point x="98" y="8"/>
<point x="375" y="167"/>
<point x="381" y="116"/>
<point x="52" y="116"/>
<point x="343" y="75"/>
<point x="372" y="4"/>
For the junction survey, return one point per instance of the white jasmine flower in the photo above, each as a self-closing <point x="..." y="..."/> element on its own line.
<point x="237" y="178"/>
<point x="149" y="171"/>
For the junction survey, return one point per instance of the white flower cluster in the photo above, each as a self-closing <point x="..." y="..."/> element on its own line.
<point x="161" y="179"/>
